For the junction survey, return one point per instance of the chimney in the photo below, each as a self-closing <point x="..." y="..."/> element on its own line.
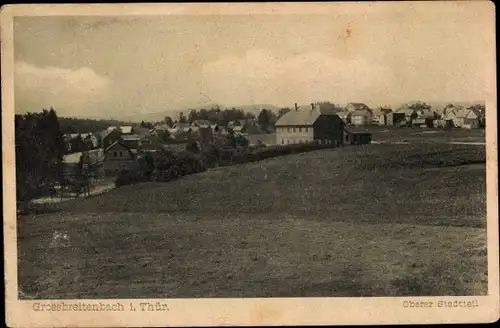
<point x="296" y="107"/>
<point x="312" y="106"/>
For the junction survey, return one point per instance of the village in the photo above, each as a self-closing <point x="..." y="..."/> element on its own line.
<point x="243" y="156"/>
<point x="118" y="148"/>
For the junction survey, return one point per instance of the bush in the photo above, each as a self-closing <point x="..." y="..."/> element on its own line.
<point x="174" y="166"/>
<point x="126" y="177"/>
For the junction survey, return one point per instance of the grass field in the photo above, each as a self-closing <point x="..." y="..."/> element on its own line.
<point x="397" y="134"/>
<point x="374" y="220"/>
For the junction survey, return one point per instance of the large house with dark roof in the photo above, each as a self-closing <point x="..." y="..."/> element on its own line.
<point x="307" y="124"/>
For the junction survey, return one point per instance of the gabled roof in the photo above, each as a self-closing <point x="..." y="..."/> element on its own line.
<point x="472" y="114"/>
<point x="182" y="126"/>
<point x="126" y="129"/>
<point x="360" y="112"/>
<point x="120" y="144"/>
<point x="201" y="123"/>
<point x="142" y="131"/>
<point x="131" y="137"/>
<point x="304" y="115"/>
<point x="358" y="106"/>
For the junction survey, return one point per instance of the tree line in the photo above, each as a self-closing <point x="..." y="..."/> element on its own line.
<point x="83" y="125"/>
<point x="265" y="119"/>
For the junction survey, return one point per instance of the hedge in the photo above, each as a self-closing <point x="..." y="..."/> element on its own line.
<point x="171" y="166"/>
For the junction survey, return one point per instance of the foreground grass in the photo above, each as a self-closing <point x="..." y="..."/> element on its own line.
<point x="374" y="184"/>
<point x="377" y="220"/>
<point x="163" y="255"/>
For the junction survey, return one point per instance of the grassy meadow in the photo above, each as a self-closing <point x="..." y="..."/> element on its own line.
<point x="372" y="220"/>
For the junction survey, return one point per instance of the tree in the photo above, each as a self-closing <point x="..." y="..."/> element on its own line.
<point x="77" y="144"/>
<point x="419" y="106"/>
<point x="192" y="147"/>
<point x="192" y="116"/>
<point x="89" y="144"/>
<point x="182" y="118"/>
<point x="39" y="153"/>
<point x="264" y="119"/>
<point x="168" y="121"/>
<point x="150" y="165"/>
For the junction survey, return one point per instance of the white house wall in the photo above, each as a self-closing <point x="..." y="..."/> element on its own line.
<point x="286" y="135"/>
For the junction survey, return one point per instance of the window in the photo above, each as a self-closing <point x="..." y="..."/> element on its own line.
<point x="114" y="154"/>
<point x="121" y="154"/>
<point x="293" y="129"/>
<point x="305" y="129"/>
<point x="300" y="129"/>
<point x="282" y="141"/>
<point x="289" y="129"/>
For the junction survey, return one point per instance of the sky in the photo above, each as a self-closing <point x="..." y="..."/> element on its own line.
<point x="119" y="66"/>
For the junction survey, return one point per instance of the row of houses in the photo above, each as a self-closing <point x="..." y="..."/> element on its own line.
<point x="124" y="147"/>
<point x="236" y="127"/>
<point x="452" y="115"/>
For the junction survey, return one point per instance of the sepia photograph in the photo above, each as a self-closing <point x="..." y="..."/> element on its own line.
<point x="159" y="155"/>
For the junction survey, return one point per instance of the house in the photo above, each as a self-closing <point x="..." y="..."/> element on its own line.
<point x="343" y="115"/>
<point x="218" y="129"/>
<point x="394" y="119"/>
<point x="379" y="117"/>
<point x="131" y="141"/>
<point x="92" y="159"/>
<point x="180" y="128"/>
<point x="356" y="136"/>
<point x="126" y="129"/>
<point x="85" y="136"/>
<point x="462" y="117"/>
<point x="111" y="137"/>
<point x="425" y="118"/>
<point x="118" y="157"/>
<point x="308" y="124"/>
<point x="151" y="140"/>
<point x="361" y="117"/>
<point x="352" y="107"/>
<point x="200" y="123"/>
<point x="123" y="129"/>
<point x="408" y="113"/>
<point x="240" y="129"/>
<point x="471" y="119"/>
<point x="420" y="122"/>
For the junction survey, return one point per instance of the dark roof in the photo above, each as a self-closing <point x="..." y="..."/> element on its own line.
<point x="360" y="112"/>
<point x="358" y="106"/>
<point x="117" y="143"/>
<point x="304" y="115"/>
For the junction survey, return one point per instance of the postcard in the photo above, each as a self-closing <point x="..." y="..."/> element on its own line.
<point x="249" y="164"/>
